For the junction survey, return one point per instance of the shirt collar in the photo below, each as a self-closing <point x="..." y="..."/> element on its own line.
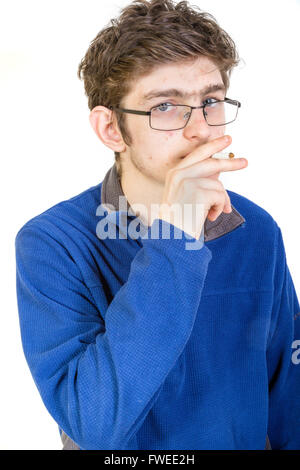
<point x="111" y="190"/>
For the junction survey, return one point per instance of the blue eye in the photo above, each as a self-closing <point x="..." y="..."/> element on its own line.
<point x="164" y="105"/>
<point x="210" y="101"/>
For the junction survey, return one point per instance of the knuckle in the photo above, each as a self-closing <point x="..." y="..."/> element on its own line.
<point x="219" y="164"/>
<point x="220" y="197"/>
<point x="220" y="186"/>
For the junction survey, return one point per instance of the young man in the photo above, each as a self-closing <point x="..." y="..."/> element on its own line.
<point x="155" y="342"/>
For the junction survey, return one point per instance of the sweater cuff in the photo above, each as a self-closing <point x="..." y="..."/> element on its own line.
<point x="166" y="236"/>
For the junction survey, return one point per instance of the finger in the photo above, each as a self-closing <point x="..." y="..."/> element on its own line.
<point x="227" y="207"/>
<point x="217" y="208"/>
<point x="214" y="212"/>
<point x="215" y="185"/>
<point x="204" y="183"/>
<point x="192" y="185"/>
<point x="205" y="168"/>
<point x="205" y="151"/>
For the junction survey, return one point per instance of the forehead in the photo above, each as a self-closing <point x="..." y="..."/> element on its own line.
<point x="190" y="76"/>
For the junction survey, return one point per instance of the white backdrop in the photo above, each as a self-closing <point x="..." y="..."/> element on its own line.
<point x="50" y="153"/>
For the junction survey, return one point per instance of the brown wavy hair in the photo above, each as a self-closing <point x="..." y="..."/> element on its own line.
<point x="146" y="35"/>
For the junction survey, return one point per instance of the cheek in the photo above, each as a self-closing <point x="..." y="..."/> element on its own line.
<point x="169" y="134"/>
<point x="219" y="131"/>
<point x="163" y="146"/>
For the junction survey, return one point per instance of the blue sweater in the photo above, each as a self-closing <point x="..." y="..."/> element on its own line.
<point x="140" y="343"/>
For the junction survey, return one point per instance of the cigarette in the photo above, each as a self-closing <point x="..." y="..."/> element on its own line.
<point x="223" y="155"/>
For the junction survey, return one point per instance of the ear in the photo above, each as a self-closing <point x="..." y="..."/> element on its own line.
<point x="106" y="128"/>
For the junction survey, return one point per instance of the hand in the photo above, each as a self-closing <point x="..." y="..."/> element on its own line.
<point x="189" y="183"/>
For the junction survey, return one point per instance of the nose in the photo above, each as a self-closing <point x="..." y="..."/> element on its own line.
<point x="197" y="127"/>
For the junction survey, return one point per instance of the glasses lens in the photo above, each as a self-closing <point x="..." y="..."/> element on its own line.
<point x="220" y="113"/>
<point x="172" y="117"/>
<point x="166" y="117"/>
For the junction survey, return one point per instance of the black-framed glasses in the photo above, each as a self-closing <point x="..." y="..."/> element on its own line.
<point x="172" y="117"/>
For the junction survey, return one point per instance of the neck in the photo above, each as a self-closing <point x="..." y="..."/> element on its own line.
<point x="140" y="190"/>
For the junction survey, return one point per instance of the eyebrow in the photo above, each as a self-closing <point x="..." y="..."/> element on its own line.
<point x="181" y="93"/>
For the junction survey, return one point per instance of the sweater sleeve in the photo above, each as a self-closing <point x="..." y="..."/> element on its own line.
<point x="99" y="378"/>
<point x="283" y="358"/>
